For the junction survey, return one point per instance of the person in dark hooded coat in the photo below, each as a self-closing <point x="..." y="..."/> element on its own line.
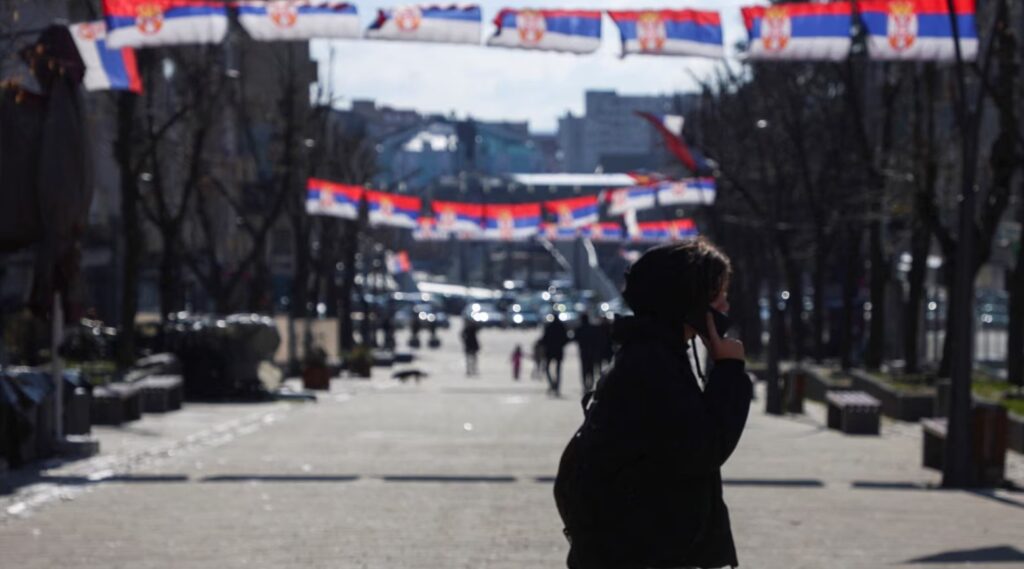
<point x="639" y="486"/>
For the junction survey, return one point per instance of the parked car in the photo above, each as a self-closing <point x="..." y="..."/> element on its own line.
<point x="524" y="313"/>
<point x="428" y="313"/>
<point x="485" y="314"/>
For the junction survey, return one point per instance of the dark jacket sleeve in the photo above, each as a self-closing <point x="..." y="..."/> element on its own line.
<point x="727" y="404"/>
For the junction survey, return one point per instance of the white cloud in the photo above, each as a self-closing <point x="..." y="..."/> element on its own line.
<point x="502" y="84"/>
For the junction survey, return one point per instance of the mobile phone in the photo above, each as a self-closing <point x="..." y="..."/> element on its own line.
<point x="699" y="323"/>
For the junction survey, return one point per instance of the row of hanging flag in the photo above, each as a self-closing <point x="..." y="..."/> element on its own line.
<point x="896" y="29"/>
<point x="147" y="23"/>
<point x="574" y="217"/>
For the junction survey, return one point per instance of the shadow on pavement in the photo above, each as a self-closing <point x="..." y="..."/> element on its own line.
<point x="999" y="554"/>
<point x="281" y="478"/>
<point x="987" y="494"/>
<point x="782" y="482"/>
<point x="455" y="479"/>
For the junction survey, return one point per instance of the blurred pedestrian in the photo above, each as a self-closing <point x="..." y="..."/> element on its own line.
<point x="554" y="339"/>
<point x="517" y="361"/>
<point x="586" y="342"/>
<point x="640" y="484"/>
<point x="414" y="329"/>
<point x="605" y="346"/>
<point x="471" y="346"/>
<point x="538" y="360"/>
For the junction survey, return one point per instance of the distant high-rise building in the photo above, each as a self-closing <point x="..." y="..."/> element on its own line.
<point x="609" y="137"/>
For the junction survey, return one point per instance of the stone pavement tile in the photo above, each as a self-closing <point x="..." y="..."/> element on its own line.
<point x="456" y="472"/>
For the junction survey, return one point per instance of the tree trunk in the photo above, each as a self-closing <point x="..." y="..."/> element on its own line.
<point x="346" y="335"/>
<point x="795" y="308"/>
<point x="131" y="227"/>
<point x="920" y="242"/>
<point x="820" y="262"/>
<point x="1015" y="330"/>
<point x="299" y="288"/>
<point x="879" y="280"/>
<point x="852" y="273"/>
<point x="170" y="276"/>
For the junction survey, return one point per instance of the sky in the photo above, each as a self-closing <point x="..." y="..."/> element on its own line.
<point x="507" y="84"/>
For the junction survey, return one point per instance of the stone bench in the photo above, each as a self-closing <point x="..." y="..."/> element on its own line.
<point x="853" y="412"/>
<point x="161" y="393"/>
<point x="116" y="403"/>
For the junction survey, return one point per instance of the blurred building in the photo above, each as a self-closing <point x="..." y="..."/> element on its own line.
<point x="609" y="137"/>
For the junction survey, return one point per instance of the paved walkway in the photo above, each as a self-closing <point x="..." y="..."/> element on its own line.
<point x="456" y="473"/>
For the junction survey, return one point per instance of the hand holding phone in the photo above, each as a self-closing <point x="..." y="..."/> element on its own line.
<point x="720" y="348"/>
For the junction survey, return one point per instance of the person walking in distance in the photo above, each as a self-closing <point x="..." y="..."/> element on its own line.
<point x="517" y="361"/>
<point x="586" y="342"/>
<point x="639" y="485"/>
<point x="554" y="339"/>
<point x="471" y="346"/>
<point x="538" y="360"/>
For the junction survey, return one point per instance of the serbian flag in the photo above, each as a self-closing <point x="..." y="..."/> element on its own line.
<point x="670" y="32"/>
<point x="508" y="222"/>
<point x="289" y="20"/>
<point x="802" y="31"/>
<point x="670" y="127"/>
<point x="146" y="23"/>
<point x="609" y="232"/>
<point x="555" y="232"/>
<point x="447" y="24"/>
<point x="919" y="30"/>
<point x="336" y="200"/>
<point x="426" y="230"/>
<point x="458" y="217"/>
<point x="105" y="69"/>
<point x="574" y="31"/>
<point x="398" y="263"/>
<point x="693" y="191"/>
<point x="391" y="209"/>
<point x="673" y="230"/>
<point x="635" y="198"/>
<point x="574" y="212"/>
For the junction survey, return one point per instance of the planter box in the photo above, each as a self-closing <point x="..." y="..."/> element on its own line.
<point x="161" y="393"/>
<point x="76" y="412"/>
<point x="988" y="448"/>
<point x="817" y="383"/>
<point x="115" y="404"/>
<point x="1015" y="432"/>
<point x="4" y="487"/>
<point x="896" y="404"/>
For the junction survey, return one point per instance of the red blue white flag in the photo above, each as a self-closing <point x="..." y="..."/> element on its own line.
<point x="105" y="68"/>
<point x="670" y="32"/>
<point x="458" y="217"/>
<point x="573" y="212"/>
<point x="555" y="232"/>
<point x="426" y="230"/>
<point x="659" y="231"/>
<point x="508" y="222"/>
<point x="146" y="23"/>
<point x="692" y="191"/>
<point x="670" y="127"/>
<point x="391" y="209"/>
<point x="574" y="31"/>
<point x="398" y="263"/>
<point x="919" y="30"/>
<point x="447" y="24"/>
<point x="609" y="232"/>
<point x="336" y="200"/>
<point x="290" y="20"/>
<point x="634" y="198"/>
<point x="802" y="31"/>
